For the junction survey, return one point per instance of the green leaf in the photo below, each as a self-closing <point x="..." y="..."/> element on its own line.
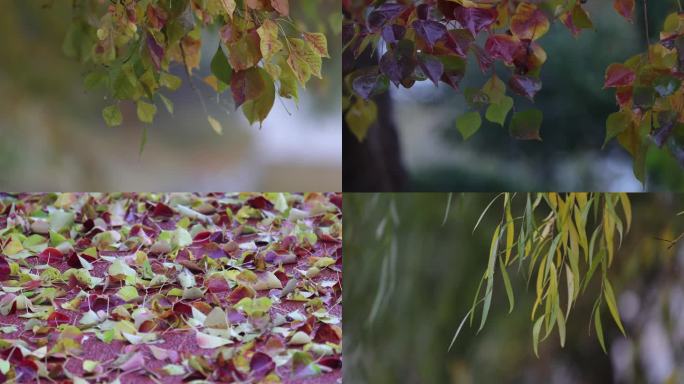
<point x="560" y="320"/>
<point x="490" y="276"/>
<point x="612" y="306"/>
<point x="599" y="328"/>
<point x="257" y="109"/>
<point x="90" y="365"/>
<point x="112" y="115"/>
<point x="60" y="220"/>
<point x="617" y="123"/>
<point x="507" y="285"/>
<point x="128" y="293"/>
<point x="220" y="66"/>
<point x="496" y="113"/>
<point x="146" y="111"/>
<point x="495" y="89"/>
<point x="168" y="104"/>
<point x="215" y="125"/>
<point x="170" y="81"/>
<point x="535" y="335"/>
<point x="360" y="116"/>
<point x="468" y="123"/>
<point x="525" y="125"/>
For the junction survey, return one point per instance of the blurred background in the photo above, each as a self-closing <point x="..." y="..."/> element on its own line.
<point x="575" y="110"/>
<point x="428" y="272"/>
<point x="54" y="138"/>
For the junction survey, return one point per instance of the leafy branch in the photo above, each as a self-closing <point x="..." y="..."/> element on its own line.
<point x="130" y="47"/>
<point x="578" y="235"/>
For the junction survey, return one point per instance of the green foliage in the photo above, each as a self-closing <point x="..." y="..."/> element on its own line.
<point x="558" y="241"/>
<point x="131" y="46"/>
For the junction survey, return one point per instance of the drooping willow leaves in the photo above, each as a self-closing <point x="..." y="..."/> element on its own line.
<point x="130" y="47"/>
<point x="430" y="40"/>
<point x="560" y="243"/>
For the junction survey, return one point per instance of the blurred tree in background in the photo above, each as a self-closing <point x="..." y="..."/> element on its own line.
<point x="411" y="276"/>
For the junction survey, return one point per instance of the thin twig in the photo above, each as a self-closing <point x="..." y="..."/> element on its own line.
<point x="189" y="75"/>
<point x="648" y="36"/>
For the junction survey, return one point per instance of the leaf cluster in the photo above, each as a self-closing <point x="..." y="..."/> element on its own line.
<point x="418" y="40"/>
<point x="131" y="45"/>
<point x="649" y="94"/>
<point x="560" y="243"/>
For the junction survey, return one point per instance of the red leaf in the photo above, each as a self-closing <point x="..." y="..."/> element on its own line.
<point x="618" y="75"/>
<point x="261" y="364"/>
<point x="625" y="8"/>
<point x="182" y="309"/>
<point x="239" y="293"/>
<point x="50" y="256"/>
<point x="623" y="95"/>
<point x="162" y="210"/>
<point x="97" y="303"/>
<point x="4" y="269"/>
<point x="260" y="202"/>
<point x="327" y="333"/>
<point x="331" y="362"/>
<point x="502" y="47"/>
<point x="217" y="284"/>
<point x="201" y="237"/>
<point x="57" y="318"/>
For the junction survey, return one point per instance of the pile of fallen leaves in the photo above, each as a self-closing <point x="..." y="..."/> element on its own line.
<point x="171" y="288"/>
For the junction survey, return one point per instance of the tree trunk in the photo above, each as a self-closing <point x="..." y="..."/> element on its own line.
<point x="375" y="164"/>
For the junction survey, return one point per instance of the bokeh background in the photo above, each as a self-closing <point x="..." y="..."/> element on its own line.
<point x="575" y="109"/>
<point x="53" y="136"/>
<point x="429" y="274"/>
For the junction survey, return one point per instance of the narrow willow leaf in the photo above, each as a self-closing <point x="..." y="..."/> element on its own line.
<point x="446" y="211"/>
<point x="475" y="302"/>
<point x="485" y="211"/>
<point x="608" y="234"/>
<point x="380" y="296"/>
<point x="612" y="306"/>
<point x="627" y="207"/>
<point x="507" y="285"/>
<point x="510" y="231"/>
<point x="453" y="340"/>
<point x="570" y="279"/>
<point x="561" y="325"/>
<point x="535" y="335"/>
<point x="580" y="224"/>
<point x="592" y="268"/>
<point x="490" y="276"/>
<point x="599" y="328"/>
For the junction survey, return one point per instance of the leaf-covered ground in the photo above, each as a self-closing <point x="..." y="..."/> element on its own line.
<point x="172" y="288"/>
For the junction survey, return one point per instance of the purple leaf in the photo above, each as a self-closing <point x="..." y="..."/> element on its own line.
<point x="431" y="31"/>
<point x="399" y="63"/>
<point x="392" y="33"/>
<point x="525" y="85"/>
<point x="475" y="19"/>
<point x="156" y="51"/>
<point x="432" y="67"/>
<point x="384" y="13"/>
